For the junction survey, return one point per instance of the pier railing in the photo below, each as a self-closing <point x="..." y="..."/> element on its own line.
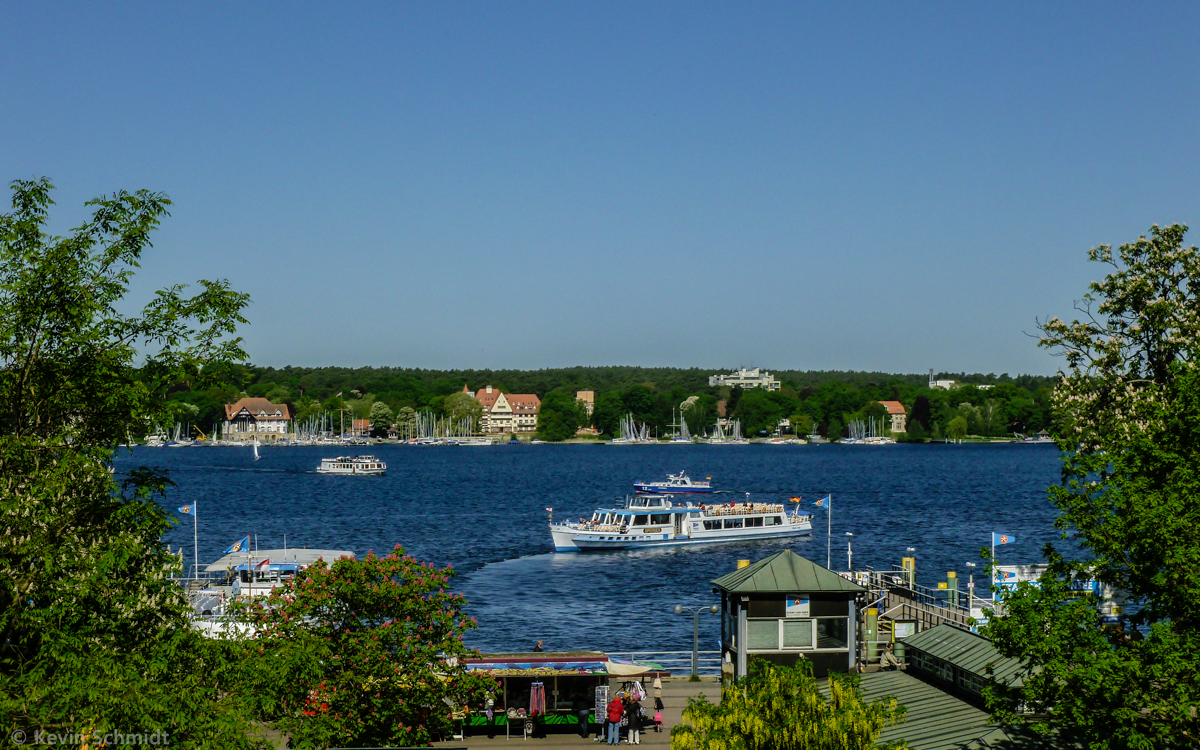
<point x="678" y="663"/>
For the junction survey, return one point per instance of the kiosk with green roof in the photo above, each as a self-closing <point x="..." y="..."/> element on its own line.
<point x="786" y="608"/>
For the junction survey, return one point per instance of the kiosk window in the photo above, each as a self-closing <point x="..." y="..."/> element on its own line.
<point x="762" y="634"/>
<point x="831" y="632"/>
<point x="797" y="633"/>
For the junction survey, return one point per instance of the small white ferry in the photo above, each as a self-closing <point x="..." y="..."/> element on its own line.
<point x="676" y="483"/>
<point x="368" y="465"/>
<point x="659" y="521"/>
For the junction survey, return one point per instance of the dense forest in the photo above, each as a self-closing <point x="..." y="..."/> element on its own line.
<point x="822" y="400"/>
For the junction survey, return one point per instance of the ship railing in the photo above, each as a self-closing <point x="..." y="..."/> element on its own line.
<point x="742" y="509"/>
<point x="675" y="662"/>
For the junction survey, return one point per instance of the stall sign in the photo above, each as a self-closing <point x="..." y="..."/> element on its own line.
<point x="796" y="606"/>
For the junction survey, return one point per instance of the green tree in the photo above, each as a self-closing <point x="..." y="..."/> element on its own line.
<point x="1127" y="415"/>
<point x="381" y="416"/>
<point x="834" y="429"/>
<point x="94" y="633"/>
<point x="461" y="406"/>
<point x="921" y="412"/>
<point x="781" y="708"/>
<point x="406" y="419"/>
<point x="608" y="412"/>
<point x="757" y="412"/>
<point x="360" y="653"/>
<point x="559" y="417"/>
<point x="802" y="424"/>
<point x="957" y="429"/>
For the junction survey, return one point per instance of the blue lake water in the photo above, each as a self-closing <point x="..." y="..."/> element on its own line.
<point x="483" y="510"/>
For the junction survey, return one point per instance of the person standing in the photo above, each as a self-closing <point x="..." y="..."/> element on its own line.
<point x="633" y="715"/>
<point x="615" y="711"/>
<point x="583" y="710"/>
<point x="538" y="648"/>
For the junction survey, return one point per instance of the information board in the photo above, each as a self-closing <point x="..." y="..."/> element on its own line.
<point x="601" y="704"/>
<point x="796" y="606"/>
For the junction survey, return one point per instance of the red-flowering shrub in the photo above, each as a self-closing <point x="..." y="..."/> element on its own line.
<point x="363" y="652"/>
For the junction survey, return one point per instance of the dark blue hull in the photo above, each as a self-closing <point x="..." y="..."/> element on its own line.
<point x="659" y="489"/>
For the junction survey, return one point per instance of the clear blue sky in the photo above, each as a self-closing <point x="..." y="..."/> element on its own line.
<point x="888" y="186"/>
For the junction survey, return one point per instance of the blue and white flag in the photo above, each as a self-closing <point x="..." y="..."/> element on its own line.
<point x="1002" y="538"/>
<point x="188" y="510"/>
<point x="240" y="545"/>
<point x="824" y="502"/>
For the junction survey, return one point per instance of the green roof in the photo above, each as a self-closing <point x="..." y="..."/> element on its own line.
<point x="785" y="572"/>
<point x="936" y="720"/>
<point x="965" y="650"/>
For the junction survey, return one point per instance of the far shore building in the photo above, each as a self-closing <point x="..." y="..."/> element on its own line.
<point x="743" y="378"/>
<point x="589" y="401"/>
<point x="256" y="418"/>
<point x="899" y="416"/>
<point x="507" y="412"/>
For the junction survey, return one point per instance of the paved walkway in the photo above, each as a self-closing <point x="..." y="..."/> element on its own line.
<point x="676" y="691"/>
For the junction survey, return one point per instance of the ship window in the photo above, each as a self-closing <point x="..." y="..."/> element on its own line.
<point x="694" y="515"/>
<point x="733" y="523"/>
<point x="656" y="502"/>
<point x="710" y="525"/>
<point x="640" y="520"/>
<point x="778" y="520"/>
<point x="769" y="521"/>
<point x="660" y="518"/>
<point x="753" y="522"/>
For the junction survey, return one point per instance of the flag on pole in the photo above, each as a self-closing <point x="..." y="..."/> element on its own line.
<point x="339" y="394"/>
<point x="188" y="510"/>
<point x="263" y="564"/>
<point x="1002" y="538"/>
<point x="823" y="502"/>
<point x="240" y="545"/>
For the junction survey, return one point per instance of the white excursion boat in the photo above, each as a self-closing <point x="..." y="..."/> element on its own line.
<point x="368" y="465"/>
<point x="658" y="521"/>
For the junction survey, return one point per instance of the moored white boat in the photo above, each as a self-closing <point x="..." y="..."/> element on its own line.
<point x="659" y="521"/>
<point x="352" y="465"/>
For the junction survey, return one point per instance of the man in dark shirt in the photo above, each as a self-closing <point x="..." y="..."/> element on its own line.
<point x="538" y="648"/>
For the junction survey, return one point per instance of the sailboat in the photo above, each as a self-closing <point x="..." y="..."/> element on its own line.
<point x="256" y="456"/>
<point x="684" y="437"/>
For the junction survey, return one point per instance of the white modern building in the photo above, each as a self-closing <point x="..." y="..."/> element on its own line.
<point x="744" y="378"/>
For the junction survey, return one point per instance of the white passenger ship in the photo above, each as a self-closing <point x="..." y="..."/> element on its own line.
<point x="368" y="465"/>
<point x="659" y="521"/>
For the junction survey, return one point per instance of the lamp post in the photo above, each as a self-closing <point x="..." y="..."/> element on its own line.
<point x="912" y="573"/>
<point x="971" y="588"/>
<point x="849" y="554"/>
<point x="679" y="610"/>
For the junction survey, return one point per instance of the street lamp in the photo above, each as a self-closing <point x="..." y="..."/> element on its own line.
<point x="679" y="610"/>
<point x="849" y="553"/>
<point x="971" y="588"/>
<point x="912" y="573"/>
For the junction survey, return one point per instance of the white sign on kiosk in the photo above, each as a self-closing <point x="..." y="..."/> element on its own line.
<point x="795" y="606"/>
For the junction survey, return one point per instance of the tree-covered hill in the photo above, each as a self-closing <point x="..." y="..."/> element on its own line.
<point x="651" y="394"/>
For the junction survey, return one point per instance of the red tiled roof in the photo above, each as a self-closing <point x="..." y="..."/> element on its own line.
<point x="487" y="399"/>
<point x="256" y="405"/>
<point x="893" y="407"/>
<point x="525" y="402"/>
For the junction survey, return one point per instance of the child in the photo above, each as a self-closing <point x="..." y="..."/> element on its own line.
<point x="658" y="720"/>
